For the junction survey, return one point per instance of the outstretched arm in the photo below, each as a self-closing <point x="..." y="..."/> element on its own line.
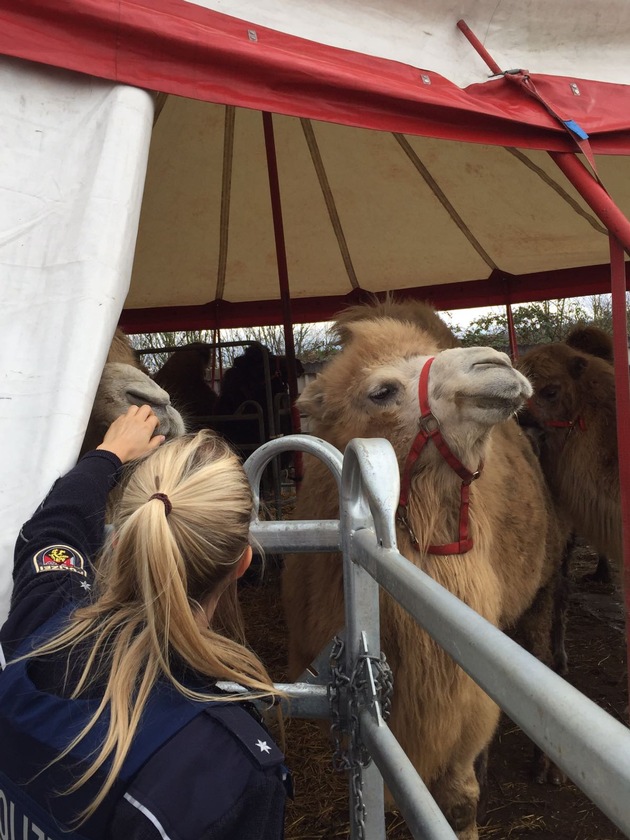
<point x="53" y="550"/>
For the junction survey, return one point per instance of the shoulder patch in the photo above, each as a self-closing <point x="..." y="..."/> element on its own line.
<point x="253" y="737"/>
<point x="59" y="558"/>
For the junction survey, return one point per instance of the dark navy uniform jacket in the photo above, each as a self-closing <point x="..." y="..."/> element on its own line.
<point x="195" y="772"/>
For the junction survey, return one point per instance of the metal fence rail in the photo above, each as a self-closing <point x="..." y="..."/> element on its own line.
<point x="587" y="743"/>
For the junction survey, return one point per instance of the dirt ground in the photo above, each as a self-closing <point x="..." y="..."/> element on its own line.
<point x="517" y="807"/>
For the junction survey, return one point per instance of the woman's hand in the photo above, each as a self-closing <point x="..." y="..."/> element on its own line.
<point x="131" y="435"/>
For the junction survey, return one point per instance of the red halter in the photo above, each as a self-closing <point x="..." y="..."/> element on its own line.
<point x="430" y="430"/>
<point x="578" y="423"/>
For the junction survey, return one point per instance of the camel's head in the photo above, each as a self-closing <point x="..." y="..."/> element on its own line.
<point x="557" y="373"/>
<point x="370" y="389"/>
<point x="189" y="363"/>
<point x="475" y="387"/>
<point x="123" y="385"/>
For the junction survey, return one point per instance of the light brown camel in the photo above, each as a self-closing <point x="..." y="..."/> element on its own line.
<point x="574" y="403"/>
<point x="370" y="389"/>
<point x="124" y="383"/>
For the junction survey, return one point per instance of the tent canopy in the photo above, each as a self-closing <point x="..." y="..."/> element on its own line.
<point x="390" y="176"/>
<point x="362" y="211"/>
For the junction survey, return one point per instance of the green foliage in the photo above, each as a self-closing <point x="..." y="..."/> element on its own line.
<point x="538" y="323"/>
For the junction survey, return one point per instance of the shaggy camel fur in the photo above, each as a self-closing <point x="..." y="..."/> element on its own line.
<point x="124" y="383"/>
<point x="120" y="350"/>
<point x="592" y="340"/>
<point x="595" y="341"/>
<point x="580" y="461"/>
<point x="183" y="375"/>
<point x="370" y="389"/>
<point x="244" y="392"/>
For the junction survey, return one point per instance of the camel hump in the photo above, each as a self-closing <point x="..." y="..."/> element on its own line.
<point x="592" y="340"/>
<point x="407" y="310"/>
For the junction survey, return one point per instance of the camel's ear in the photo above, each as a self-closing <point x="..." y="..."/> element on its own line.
<point x="577" y="366"/>
<point x="312" y="400"/>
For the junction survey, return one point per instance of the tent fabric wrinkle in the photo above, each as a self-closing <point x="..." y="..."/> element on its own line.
<point x="440" y="195"/>
<point x="329" y="198"/>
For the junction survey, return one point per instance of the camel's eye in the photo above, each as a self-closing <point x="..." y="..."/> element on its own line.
<point x="549" y="392"/>
<point x="384" y="393"/>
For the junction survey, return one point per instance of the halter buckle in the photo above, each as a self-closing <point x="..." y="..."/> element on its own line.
<point x="428" y="423"/>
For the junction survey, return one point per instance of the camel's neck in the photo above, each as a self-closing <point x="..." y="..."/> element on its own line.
<point x="467" y="444"/>
<point x="449" y="480"/>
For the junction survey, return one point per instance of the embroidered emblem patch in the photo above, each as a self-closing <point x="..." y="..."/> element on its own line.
<point x="59" y="557"/>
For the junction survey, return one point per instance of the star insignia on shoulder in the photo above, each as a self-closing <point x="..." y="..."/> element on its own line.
<point x="263" y="746"/>
<point x="85" y="585"/>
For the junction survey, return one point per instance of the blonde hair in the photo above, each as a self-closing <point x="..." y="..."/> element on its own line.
<point x="149" y="580"/>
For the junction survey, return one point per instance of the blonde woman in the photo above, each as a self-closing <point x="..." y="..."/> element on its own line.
<point x="111" y="724"/>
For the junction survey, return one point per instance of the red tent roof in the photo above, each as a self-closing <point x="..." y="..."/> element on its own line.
<point x="180" y="48"/>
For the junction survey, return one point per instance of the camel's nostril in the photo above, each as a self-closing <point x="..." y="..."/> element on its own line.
<point x="492" y="363"/>
<point x="137" y="397"/>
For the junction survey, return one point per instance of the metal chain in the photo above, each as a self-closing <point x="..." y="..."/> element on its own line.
<point x="385" y="680"/>
<point x="371" y="682"/>
<point x="338" y="682"/>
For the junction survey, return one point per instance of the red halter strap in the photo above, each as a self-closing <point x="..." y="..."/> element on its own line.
<point x="578" y="423"/>
<point x="430" y="430"/>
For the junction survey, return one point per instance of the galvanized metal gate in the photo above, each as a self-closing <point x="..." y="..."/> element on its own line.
<point x="587" y="743"/>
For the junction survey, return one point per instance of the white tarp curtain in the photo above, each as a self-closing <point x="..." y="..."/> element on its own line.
<point x="72" y="168"/>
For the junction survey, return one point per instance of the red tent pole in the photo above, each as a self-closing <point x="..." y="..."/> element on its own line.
<point x="622" y="389"/>
<point x="589" y="187"/>
<point x="594" y="194"/>
<point x="483" y="52"/>
<point x="217" y="357"/>
<point x="618" y="226"/>
<point x="619" y="235"/>
<point x="283" y="277"/>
